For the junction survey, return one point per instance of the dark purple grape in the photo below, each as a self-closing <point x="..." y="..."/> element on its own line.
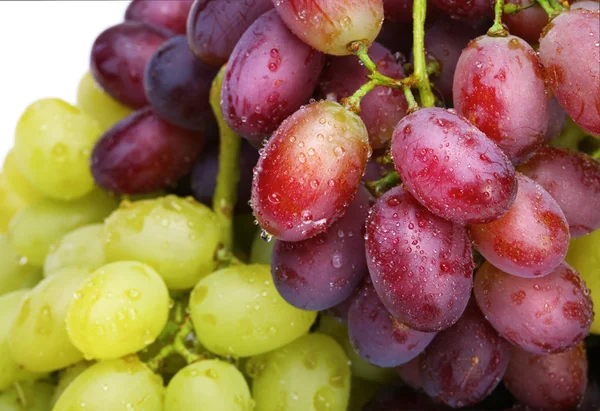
<point x="177" y="86"/>
<point x="377" y="336"/>
<point x="398" y="10"/>
<point x="468" y="10"/>
<point x="143" y="153"/>
<point x="526" y="24"/>
<point x="464" y="363"/>
<point x="591" y="399"/>
<point x="396" y="397"/>
<point x="169" y="14"/>
<point x="215" y="26"/>
<point x="411" y="373"/>
<point x="340" y="312"/>
<point x="323" y="271"/>
<point x="119" y="57"/>
<point x="270" y="74"/>
<point x="421" y="264"/>
<point x="557" y="119"/>
<point x="397" y="37"/>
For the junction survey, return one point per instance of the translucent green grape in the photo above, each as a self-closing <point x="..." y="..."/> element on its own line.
<point x="238" y="312"/>
<point x="82" y="247"/>
<point x="15" y="272"/>
<point x="67" y="376"/>
<point x="38" y="337"/>
<point x="125" y="384"/>
<point x="53" y="142"/>
<point x="177" y="237"/>
<point x="208" y="385"/>
<point x="310" y="374"/>
<point x="119" y="310"/>
<point x="96" y="103"/>
<point x="10" y="203"/>
<point x="43" y="223"/>
<point x="30" y="396"/>
<point x="261" y="250"/>
<point x="17" y="181"/>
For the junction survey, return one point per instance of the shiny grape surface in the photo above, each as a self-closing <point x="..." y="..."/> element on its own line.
<point x="171" y="14"/>
<point x="10" y="203"/>
<point x="17" y="182"/>
<point x="15" y="273"/>
<point x="421" y="265"/>
<point x="528" y="23"/>
<point x="67" y="376"/>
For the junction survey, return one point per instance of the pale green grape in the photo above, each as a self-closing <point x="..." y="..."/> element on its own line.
<point x="177" y="237"/>
<point x="17" y="181"/>
<point x="15" y="272"/>
<point x="98" y="104"/>
<point x="9" y="369"/>
<point x="38" y="337"/>
<point x="10" y="203"/>
<point x="53" y="142"/>
<point x="310" y="374"/>
<point x="237" y="311"/>
<point x="36" y="227"/>
<point x="119" y="310"/>
<point x="82" y="247"/>
<point x="67" y="376"/>
<point x="125" y="384"/>
<point x="31" y="396"/>
<point x="208" y="385"/>
<point x="261" y="250"/>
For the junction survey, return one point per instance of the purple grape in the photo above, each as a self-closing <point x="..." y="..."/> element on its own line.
<point x="398" y="10"/>
<point x="377" y="336"/>
<point x="177" y="86"/>
<point x="526" y="24"/>
<point x="411" y="373"/>
<point x="270" y="74"/>
<point x="143" y="153"/>
<point x="340" y="312"/>
<point x="452" y="168"/>
<point x="323" y="271"/>
<point x="171" y="14"/>
<point x="468" y="10"/>
<point x="540" y="315"/>
<point x="558" y="117"/>
<point x="421" y="265"/>
<point x="119" y="56"/>
<point x="396" y="37"/>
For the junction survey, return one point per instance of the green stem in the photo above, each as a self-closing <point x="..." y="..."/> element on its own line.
<point x="226" y="257"/>
<point x="419" y="14"/>
<point x="497" y="30"/>
<point x="379" y="187"/>
<point x="156" y="362"/>
<point x="512" y="8"/>
<point x="547" y="8"/>
<point x="228" y="176"/>
<point x="556" y="5"/>
<point x="352" y="103"/>
<point x="596" y="155"/>
<point x="179" y="343"/>
<point x="21" y="394"/>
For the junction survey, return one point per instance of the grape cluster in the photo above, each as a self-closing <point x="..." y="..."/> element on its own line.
<point x="427" y="191"/>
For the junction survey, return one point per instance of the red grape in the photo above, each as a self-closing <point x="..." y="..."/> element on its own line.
<point x="396" y="37"/>
<point x="531" y="240"/>
<point x="119" y="57"/>
<point x="398" y="10"/>
<point x="411" y="373"/>
<point x="541" y="315"/>
<point x="465" y="9"/>
<point x="558" y="117"/>
<point x="452" y="168"/>
<point x="309" y="171"/>
<point x="171" y="14"/>
<point x="421" y="264"/>
<point x="526" y="24"/>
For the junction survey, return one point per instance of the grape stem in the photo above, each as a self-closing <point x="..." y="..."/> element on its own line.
<point x="419" y="14"/>
<point x="24" y="403"/>
<point x="497" y="29"/>
<point x="379" y="187"/>
<point x="514" y="9"/>
<point x="226" y="257"/>
<point x="547" y="8"/>
<point x="556" y="5"/>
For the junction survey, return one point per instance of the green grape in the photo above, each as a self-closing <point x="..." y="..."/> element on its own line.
<point x="10" y="371"/>
<point x="96" y="103"/>
<point x="33" y="230"/>
<point x="310" y="374"/>
<point x="261" y="250"/>
<point x="584" y="256"/>
<point x="38" y="337"/>
<point x="17" y="181"/>
<point x="125" y="384"/>
<point x="238" y="312"/>
<point x="177" y="237"/>
<point x="29" y="396"/>
<point x="10" y="203"/>
<point x="207" y="386"/>
<point x="15" y="272"/>
<point x="119" y="310"/>
<point x="82" y="247"/>
<point x="67" y="376"/>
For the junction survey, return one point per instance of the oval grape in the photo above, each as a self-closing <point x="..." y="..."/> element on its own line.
<point x="16" y="272"/>
<point x="17" y="182"/>
<point x="171" y="15"/>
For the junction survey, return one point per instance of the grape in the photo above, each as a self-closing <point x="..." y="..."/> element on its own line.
<point x="528" y="23"/>
<point x="398" y="10"/>
<point x="261" y="250"/>
<point x="175" y="236"/>
<point x="82" y="247"/>
<point x="452" y="168"/>
<point x="322" y="271"/>
<point x="377" y="336"/>
<point x="97" y="104"/>
<point x="119" y="57"/>
<point x="396" y="397"/>
<point x="270" y="74"/>
<point x="466" y="10"/>
<point x="120" y="384"/>
<point x="215" y="26"/>
<point x="574" y="36"/>
<point x="558" y="118"/>
<point x="421" y="265"/>
<point x="411" y="373"/>
<point x="171" y="15"/>
<point x="208" y="385"/>
<point x="396" y="37"/>
<point x="573" y="180"/>
<point x="253" y="319"/>
<point x="67" y="376"/>
<point x="143" y="153"/>
<point x="38" y="226"/>
<point x="588" y="5"/>
<point x="382" y="108"/>
<point x="10" y="203"/>
<point x="549" y="382"/>
<point x="31" y="396"/>
<point x="53" y="141"/>
<point x="38" y="336"/>
<point x="329" y="26"/>
<point x="17" y="182"/>
<point x="309" y="171"/>
<point x="178" y="84"/>
<point x="540" y="315"/>
<point x="499" y="87"/>
<point x="464" y="363"/>
<point x="311" y="373"/>
<point x="531" y="240"/>
<point x="15" y="273"/>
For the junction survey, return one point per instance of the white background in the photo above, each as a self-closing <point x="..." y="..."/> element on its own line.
<point x="44" y="52"/>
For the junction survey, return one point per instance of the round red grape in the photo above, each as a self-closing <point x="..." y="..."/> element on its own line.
<point x="465" y="9"/>
<point x="528" y="23"/>
<point x="171" y="15"/>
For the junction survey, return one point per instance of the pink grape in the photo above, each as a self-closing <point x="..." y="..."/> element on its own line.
<point x="171" y="15"/>
<point x="558" y="117"/>
<point x="587" y="5"/>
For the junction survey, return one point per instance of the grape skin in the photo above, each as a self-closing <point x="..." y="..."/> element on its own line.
<point x="15" y="274"/>
<point x="171" y="14"/>
<point x="37" y="395"/>
<point x="558" y="118"/>
<point x="528" y="23"/>
<point x="10" y="203"/>
<point x="465" y="10"/>
<point x="67" y="376"/>
<point x="17" y="182"/>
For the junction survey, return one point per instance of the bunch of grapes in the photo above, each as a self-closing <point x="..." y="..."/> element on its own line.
<point x="426" y="186"/>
